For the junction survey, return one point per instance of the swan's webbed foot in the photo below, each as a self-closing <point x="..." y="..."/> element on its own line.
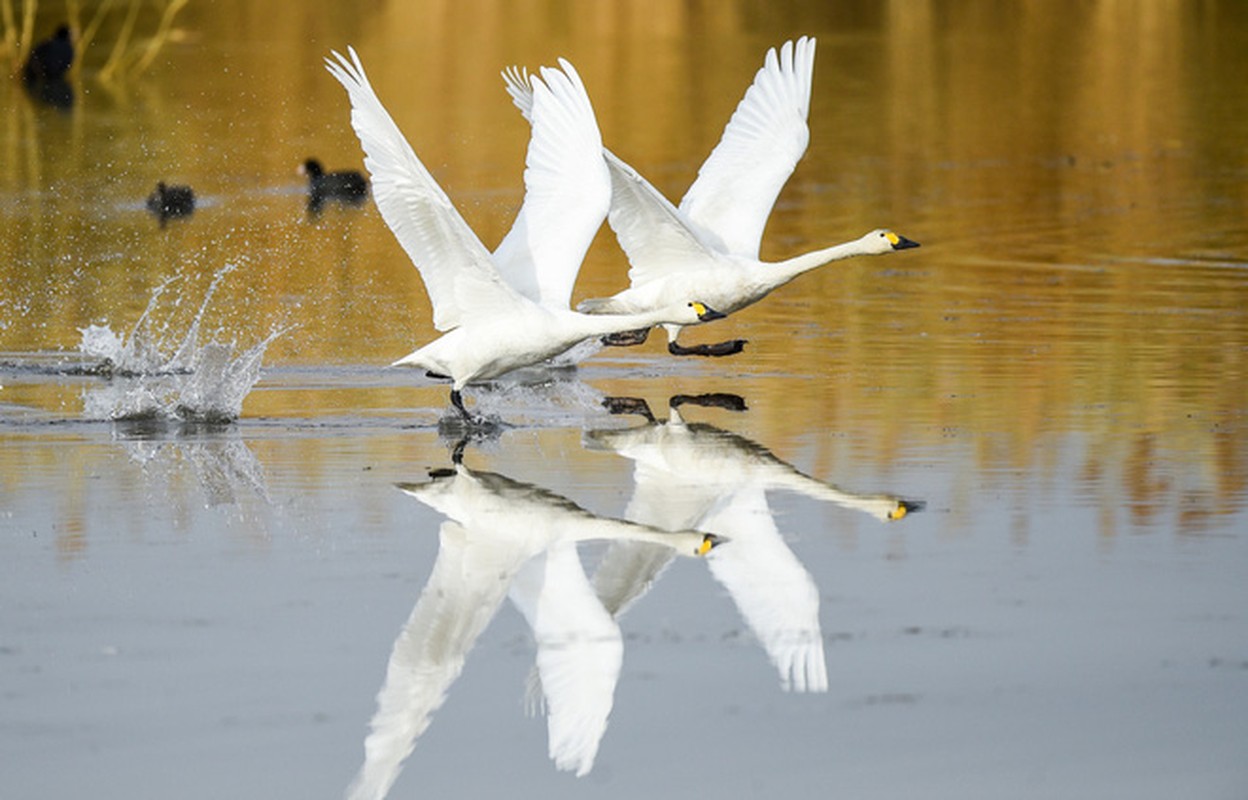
<point x="628" y="405"/>
<point x="724" y="400"/>
<point x="626" y="338"/>
<point x="728" y="348"/>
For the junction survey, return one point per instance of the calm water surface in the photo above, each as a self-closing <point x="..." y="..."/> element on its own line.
<point x="1059" y="374"/>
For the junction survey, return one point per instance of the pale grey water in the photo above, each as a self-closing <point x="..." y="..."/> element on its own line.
<point x="1058" y="374"/>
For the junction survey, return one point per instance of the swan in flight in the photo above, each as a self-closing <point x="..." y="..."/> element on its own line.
<point x="490" y="328"/>
<point x="709" y="246"/>
<point x="495" y="526"/>
<point x="698" y="475"/>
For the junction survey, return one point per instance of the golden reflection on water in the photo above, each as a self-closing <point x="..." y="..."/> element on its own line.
<point x="1076" y="171"/>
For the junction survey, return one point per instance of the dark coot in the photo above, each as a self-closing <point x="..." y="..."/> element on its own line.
<point x="50" y="59"/>
<point x="345" y="186"/>
<point x="171" y="201"/>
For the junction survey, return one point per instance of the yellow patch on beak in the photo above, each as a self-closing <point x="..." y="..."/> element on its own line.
<point x="893" y="238"/>
<point x="698" y="308"/>
<point x="898" y="512"/>
<point x="705" y="547"/>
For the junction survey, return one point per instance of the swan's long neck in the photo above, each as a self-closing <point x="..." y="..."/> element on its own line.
<point x="790" y="268"/>
<point x="603" y="324"/>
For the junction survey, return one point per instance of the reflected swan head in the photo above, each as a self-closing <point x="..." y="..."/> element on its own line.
<point x="709" y="542"/>
<point x="905" y="507"/>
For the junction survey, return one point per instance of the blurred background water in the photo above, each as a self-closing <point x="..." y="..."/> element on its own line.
<point x="1060" y="372"/>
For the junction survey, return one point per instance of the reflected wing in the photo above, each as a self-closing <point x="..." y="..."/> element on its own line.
<point x="453" y="264"/>
<point x="762" y="143"/>
<point x="774" y="593"/>
<point x="567" y="187"/>
<point x="579" y="653"/>
<point x="627" y="571"/>
<point x="463" y="594"/>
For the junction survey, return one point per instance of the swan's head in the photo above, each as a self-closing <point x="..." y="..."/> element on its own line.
<point x="703" y="312"/>
<point x="905" y="507"/>
<point x="709" y="542"/>
<point x="882" y="240"/>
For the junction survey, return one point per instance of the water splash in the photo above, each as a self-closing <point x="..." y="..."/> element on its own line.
<point x="159" y="373"/>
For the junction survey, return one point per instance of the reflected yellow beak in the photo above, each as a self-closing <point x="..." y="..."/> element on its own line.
<point x="898" y="512"/>
<point x="709" y="541"/>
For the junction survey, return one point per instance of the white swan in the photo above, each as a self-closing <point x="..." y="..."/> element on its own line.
<point x="697" y="475"/>
<point x="496" y="525"/>
<point x="709" y="245"/>
<point x="489" y="327"/>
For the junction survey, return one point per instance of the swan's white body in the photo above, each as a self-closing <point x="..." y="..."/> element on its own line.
<point x="490" y="327"/>
<point x="695" y="475"/>
<point x="710" y="244"/>
<point x="496" y="527"/>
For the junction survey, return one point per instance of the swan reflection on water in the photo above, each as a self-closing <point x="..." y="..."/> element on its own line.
<point x="694" y="475"/>
<point x="505" y="536"/>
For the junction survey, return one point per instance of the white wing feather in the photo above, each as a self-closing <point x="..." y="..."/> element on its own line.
<point x="773" y="591"/>
<point x="567" y="188"/>
<point x="767" y="135"/>
<point x="454" y="265"/>
<point x="657" y="237"/>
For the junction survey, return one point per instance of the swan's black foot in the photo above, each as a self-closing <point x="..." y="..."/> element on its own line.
<point x="728" y="348"/>
<point x="628" y="405"/>
<point x="627" y="338"/>
<point x="724" y="400"/>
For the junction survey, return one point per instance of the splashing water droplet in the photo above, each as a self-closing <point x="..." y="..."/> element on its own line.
<point x="149" y="379"/>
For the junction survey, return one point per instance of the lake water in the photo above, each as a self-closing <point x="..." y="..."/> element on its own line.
<point x="283" y="606"/>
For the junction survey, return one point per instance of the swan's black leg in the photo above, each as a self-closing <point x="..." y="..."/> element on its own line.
<point x="458" y="402"/>
<point x="729" y="348"/>
<point x="626" y="338"/>
<point x="628" y="405"/>
<point x="724" y="400"/>
<point x="457" y="453"/>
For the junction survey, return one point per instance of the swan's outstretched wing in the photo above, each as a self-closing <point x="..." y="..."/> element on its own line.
<point x="579" y="653"/>
<point x="464" y="591"/>
<point x="456" y="268"/>
<point x="657" y="237"/>
<point x="762" y="143"/>
<point x="773" y="591"/>
<point x="567" y="187"/>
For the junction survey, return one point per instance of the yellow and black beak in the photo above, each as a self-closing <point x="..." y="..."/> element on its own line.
<point x="706" y="313"/>
<point x="905" y="507"/>
<point x="900" y="242"/>
<point x="709" y="541"/>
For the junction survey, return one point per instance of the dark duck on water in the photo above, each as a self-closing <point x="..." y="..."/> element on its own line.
<point x="171" y="201"/>
<point x="345" y="186"/>
<point x="44" y="71"/>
